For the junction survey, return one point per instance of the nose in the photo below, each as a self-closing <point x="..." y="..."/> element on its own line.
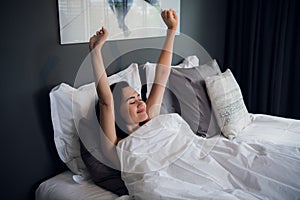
<point x="139" y="102"/>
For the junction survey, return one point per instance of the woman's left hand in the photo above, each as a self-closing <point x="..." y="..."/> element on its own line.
<point x="170" y="18"/>
<point x="98" y="40"/>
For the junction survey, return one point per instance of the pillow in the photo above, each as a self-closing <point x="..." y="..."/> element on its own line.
<point x="130" y="75"/>
<point x="186" y="94"/>
<point x="70" y="107"/>
<point x="65" y="134"/>
<point x="227" y="103"/>
<point x="188" y="62"/>
<point x="103" y="175"/>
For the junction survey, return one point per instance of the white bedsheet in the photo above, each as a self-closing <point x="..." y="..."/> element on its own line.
<point x="272" y="129"/>
<point x="173" y="163"/>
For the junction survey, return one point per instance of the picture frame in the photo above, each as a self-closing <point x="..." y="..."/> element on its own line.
<point x="124" y="19"/>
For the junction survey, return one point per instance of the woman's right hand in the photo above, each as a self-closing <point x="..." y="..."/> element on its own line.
<point x="170" y="18"/>
<point x="97" y="40"/>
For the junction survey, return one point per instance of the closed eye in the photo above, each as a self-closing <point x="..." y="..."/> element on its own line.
<point x="132" y="98"/>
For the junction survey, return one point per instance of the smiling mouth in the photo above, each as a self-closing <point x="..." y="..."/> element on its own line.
<point x="140" y="111"/>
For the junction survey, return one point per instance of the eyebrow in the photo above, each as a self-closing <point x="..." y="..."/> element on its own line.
<point x="132" y="97"/>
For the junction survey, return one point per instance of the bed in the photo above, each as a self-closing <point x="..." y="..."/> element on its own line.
<point x="62" y="186"/>
<point x="278" y="135"/>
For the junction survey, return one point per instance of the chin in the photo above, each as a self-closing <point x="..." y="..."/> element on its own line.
<point x="143" y="117"/>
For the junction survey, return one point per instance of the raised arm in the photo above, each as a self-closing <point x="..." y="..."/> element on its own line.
<point x="106" y="104"/>
<point x="164" y="64"/>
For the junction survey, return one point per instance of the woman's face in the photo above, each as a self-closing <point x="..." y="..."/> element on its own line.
<point x="133" y="108"/>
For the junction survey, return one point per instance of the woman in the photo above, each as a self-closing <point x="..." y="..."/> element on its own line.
<point x="133" y="110"/>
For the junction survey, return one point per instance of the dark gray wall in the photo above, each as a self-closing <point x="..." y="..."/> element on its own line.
<point x="32" y="62"/>
<point x="205" y="22"/>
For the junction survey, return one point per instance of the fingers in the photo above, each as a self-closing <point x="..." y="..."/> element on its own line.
<point x="166" y="14"/>
<point x="175" y="15"/>
<point x="102" y="31"/>
<point x="169" y="14"/>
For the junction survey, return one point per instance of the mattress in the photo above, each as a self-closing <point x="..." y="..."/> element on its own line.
<point x="63" y="187"/>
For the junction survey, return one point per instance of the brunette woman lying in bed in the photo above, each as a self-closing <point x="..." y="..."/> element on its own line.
<point x="125" y="108"/>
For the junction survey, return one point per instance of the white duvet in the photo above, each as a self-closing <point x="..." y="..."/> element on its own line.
<point x="164" y="159"/>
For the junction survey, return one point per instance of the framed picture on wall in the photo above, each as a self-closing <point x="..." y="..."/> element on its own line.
<point x="124" y="19"/>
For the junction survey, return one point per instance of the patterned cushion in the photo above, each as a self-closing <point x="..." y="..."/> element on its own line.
<point x="228" y="104"/>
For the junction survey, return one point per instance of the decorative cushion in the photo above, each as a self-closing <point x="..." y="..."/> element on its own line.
<point x="228" y="104"/>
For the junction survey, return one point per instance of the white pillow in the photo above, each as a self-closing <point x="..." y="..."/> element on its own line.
<point x="227" y="103"/>
<point x="70" y="105"/>
<point x="130" y="75"/>
<point x="189" y="62"/>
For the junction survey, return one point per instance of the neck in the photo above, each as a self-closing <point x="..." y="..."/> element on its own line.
<point x="132" y="127"/>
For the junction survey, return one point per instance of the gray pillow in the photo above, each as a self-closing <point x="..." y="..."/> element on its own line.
<point x="186" y="94"/>
<point x="102" y="175"/>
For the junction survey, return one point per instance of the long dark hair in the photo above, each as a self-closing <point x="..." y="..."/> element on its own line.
<point x="116" y="90"/>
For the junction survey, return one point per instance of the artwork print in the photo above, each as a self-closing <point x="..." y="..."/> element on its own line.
<point x="124" y="19"/>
